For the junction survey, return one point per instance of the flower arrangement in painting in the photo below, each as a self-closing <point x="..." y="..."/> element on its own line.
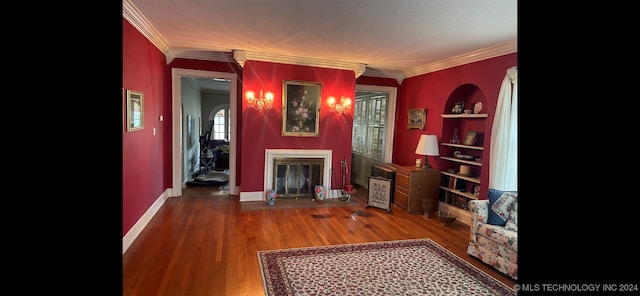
<point x="299" y="111"/>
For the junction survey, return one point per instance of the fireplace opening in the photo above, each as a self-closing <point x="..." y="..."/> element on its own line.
<point x="297" y="177"/>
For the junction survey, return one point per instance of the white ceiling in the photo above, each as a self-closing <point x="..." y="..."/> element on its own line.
<point x="393" y="38"/>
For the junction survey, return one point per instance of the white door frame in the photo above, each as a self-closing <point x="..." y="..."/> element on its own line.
<point x="391" y="114"/>
<point x="176" y="144"/>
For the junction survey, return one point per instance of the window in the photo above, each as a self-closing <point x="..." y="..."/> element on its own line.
<point x="370" y="116"/>
<point x="221" y="127"/>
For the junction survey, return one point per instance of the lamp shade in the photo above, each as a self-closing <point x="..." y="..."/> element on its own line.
<point x="428" y="145"/>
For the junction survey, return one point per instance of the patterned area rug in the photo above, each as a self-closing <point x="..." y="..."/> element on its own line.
<point x="404" y="267"/>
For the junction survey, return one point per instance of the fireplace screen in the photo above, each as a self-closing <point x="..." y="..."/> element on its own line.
<point x="297" y="177"/>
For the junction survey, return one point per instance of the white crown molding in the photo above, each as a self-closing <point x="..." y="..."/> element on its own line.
<point x="385" y="73"/>
<point x="241" y="56"/>
<point x="216" y="56"/>
<point x="131" y="13"/>
<point x="474" y="56"/>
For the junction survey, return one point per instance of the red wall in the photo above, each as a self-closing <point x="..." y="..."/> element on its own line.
<point x="432" y="91"/>
<point x="262" y="129"/>
<point x="146" y="158"/>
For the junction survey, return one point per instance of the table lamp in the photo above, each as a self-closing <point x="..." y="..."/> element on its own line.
<point x="428" y="146"/>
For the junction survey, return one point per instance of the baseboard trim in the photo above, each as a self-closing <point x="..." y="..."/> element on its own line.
<point x="137" y="228"/>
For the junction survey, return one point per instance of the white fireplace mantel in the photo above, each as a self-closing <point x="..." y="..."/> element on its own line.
<point x="270" y="154"/>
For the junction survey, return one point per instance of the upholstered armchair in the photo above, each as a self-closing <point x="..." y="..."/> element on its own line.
<point x="494" y="231"/>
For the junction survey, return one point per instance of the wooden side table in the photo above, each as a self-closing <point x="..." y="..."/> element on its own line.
<point x="413" y="185"/>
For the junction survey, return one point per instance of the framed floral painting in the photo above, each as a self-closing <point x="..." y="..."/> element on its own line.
<point x="300" y="108"/>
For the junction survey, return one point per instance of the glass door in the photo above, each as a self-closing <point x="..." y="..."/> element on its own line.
<point x="369" y="134"/>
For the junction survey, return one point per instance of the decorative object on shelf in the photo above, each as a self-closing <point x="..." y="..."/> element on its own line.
<point x="271" y="197"/>
<point x="418" y="162"/>
<point x="446" y="217"/>
<point x="455" y="139"/>
<point x="470" y="138"/>
<point x="135" y="110"/>
<point x="261" y="103"/>
<point x="417" y="119"/>
<point x="343" y="107"/>
<point x="468" y="111"/>
<point x="476" y="189"/>
<point x="427" y="146"/>
<point x="300" y="108"/>
<point x="320" y="193"/>
<point x="458" y="154"/>
<point x="458" y="108"/>
<point x="477" y="107"/>
<point x="465" y="170"/>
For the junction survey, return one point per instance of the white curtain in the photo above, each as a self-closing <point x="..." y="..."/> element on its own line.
<point x="503" y="164"/>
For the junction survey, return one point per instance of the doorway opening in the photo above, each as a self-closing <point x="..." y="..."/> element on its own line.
<point x="178" y="142"/>
<point x="373" y="126"/>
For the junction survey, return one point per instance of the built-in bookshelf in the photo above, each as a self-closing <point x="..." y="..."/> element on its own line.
<point x="461" y="149"/>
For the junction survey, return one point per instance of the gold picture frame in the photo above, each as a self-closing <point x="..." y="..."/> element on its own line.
<point x="135" y="110"/>
<point x="470" y="138"/>
<point x="417" y="118"/>
<point x="301" y="108"/>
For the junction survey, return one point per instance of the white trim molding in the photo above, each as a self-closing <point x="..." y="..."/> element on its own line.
<point x="176" y="101"/>
<point x="131" y="13"/>
<point x="241" y="56"/>
<point x="137" y="228"/>
<point x="467" y="58"/>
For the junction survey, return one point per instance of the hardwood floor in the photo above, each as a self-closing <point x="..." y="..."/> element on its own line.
<point x="202" y="243"/>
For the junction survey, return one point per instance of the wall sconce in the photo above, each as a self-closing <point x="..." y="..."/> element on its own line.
<point x="343" y="107"/>
<point x="263" y="102"/>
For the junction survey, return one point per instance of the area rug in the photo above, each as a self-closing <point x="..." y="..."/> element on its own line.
<point x="296" y="204"/>
<point x="210" y="179"/>
<point x="404" y="267"/>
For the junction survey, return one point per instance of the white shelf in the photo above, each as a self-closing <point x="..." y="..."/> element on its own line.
<point x="464" y="115"/>
<point x="463" y="146"/>
<point x="458" y="192"/>
<point x="464" y="216"/>
<point x="462" y="161"/>
<point x="468" y="178"/>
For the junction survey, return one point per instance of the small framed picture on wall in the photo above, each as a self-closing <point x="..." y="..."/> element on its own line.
<point x="135" y="110"/>
<point x="417" y="118"/>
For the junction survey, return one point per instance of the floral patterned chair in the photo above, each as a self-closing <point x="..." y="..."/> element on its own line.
<point x="494" y="231"/>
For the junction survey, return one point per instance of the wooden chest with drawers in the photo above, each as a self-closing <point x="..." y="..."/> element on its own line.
<point x="412" y="185"/>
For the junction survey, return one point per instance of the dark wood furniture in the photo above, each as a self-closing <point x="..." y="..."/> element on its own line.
<point x="413" y="185"/>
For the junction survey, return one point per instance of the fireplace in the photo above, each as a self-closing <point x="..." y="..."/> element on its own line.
<point x="308" y="167"/>
<point x="297" y="177"/>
